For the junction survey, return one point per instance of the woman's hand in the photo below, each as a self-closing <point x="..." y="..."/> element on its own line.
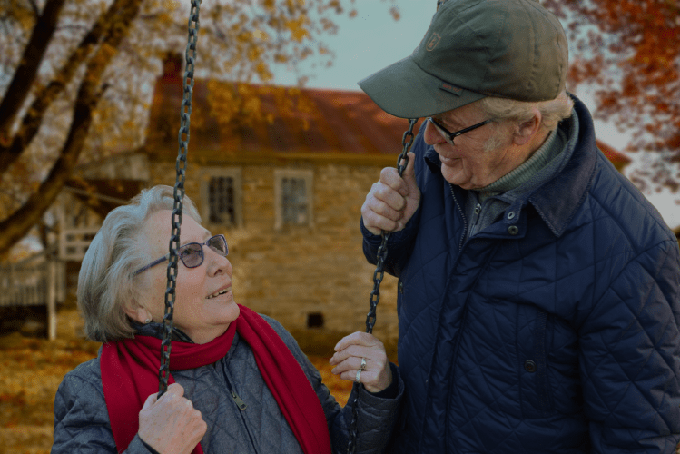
<point x="376" y="374"/>
<point x="171" y="425"/>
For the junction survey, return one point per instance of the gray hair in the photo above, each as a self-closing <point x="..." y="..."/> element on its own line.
<point x="552" y="111"/>
<point x="106" y="281"/>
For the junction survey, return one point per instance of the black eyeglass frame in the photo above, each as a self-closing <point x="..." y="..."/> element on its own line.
<point x="183" y="247"/>
<point x="449" y="136"/>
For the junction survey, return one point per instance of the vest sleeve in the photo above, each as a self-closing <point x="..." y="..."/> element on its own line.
<point x="81" y="420"/>
<point x="377" y="416"/>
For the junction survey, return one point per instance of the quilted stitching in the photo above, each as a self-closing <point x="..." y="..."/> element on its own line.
<point x="82" y="423"/>
<point x="605" y="296"/>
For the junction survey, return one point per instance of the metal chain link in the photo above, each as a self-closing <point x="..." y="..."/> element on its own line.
<point x="402" y="163"/>
<point x="178" y="196"/>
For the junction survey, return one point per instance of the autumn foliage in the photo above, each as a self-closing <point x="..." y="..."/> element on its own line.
<point x="630" y="51"/>
<point x="74" y="74"/>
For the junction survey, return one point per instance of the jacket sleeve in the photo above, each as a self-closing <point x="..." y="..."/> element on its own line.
<point x="630" y="356"/>
<point x="81" y="420"/>
<point x="398" y="246"/>
<point x="376" y="420"/>
<point x="377" y="417"/>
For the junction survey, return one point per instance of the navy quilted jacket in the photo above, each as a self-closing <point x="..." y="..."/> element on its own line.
<point x="553" y="330"/>
<point x="81" y="420"/>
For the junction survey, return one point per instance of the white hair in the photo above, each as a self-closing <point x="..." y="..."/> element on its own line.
<point x="106" y="281"/>
<point x="552" y="112"/>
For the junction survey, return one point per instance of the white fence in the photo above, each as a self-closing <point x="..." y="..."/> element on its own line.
<point x="73" y="242"/>
<point x="33" y="284"/>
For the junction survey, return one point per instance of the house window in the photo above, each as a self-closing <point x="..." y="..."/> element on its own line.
<point x="293" y="195"/>
<point x="221" y="197"/>
<point x="294" y="205"/>
<point x="221" y="200"/>
<point x="315" y="320"/>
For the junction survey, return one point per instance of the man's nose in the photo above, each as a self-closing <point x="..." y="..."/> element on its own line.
<point x="432" y="136"/>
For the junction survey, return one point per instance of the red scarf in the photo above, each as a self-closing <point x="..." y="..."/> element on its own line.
<point x="130" y="373"/>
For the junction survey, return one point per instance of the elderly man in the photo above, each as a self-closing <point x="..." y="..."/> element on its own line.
<point x="539" y="292"/>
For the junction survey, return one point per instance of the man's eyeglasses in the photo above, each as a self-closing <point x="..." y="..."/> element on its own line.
<point x="449" y="136"/>
<point x="191" y="254"/>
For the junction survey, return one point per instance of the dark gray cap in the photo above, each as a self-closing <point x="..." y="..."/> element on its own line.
<point x="475" y="48"/>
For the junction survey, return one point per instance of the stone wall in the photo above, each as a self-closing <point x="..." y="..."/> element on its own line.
<point x="310" y="275"/>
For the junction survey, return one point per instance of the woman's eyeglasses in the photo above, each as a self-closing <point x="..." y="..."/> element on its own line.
<point x="191" y="254"/>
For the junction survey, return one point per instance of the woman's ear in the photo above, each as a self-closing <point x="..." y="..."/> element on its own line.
<point x="137" y="312"/>
<point x="527" y="131"/>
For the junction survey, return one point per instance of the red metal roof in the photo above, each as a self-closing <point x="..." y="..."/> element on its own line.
<point x="308" y="121"/>
<point x="314" y="121"/>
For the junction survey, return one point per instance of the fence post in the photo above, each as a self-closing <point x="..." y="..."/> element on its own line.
<point x="51" y="312"/>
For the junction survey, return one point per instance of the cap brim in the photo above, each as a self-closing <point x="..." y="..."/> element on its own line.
<point x="406" y="91"/>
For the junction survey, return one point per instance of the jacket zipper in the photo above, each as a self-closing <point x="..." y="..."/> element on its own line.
<point x="465" y="224"/>
<point x="239" y="402"/>
<point x="241" y="406"/>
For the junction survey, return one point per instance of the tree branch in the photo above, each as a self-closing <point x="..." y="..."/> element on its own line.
<point x="34" y="6"/>
<point x="24" y="76"/>
<point x="13" y="228"/>
<point x="33" y="117"/>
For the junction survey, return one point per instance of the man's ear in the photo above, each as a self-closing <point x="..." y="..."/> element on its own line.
<point x="526" y="131"/>
<point x="136" y="311"/>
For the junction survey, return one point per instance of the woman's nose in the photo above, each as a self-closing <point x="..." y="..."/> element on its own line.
<point x="432" y="136"/>
<point x="217" y="263"/>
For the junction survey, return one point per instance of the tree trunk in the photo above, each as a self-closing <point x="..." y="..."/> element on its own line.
<point x="24" y="76"/>
<point x="33" y="118"/>
<point x="15" y="227"/>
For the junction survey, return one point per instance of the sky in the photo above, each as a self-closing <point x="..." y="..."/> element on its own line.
<point x="373" y="39"/>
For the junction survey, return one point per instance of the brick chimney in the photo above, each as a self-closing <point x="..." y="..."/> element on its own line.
<point x="172" y="68"/>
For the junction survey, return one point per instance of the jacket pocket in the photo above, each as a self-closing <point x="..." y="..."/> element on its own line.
<point x="533" y="368"/>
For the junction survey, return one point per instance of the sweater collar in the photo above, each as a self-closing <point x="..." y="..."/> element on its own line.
<point x="559" y="197"/>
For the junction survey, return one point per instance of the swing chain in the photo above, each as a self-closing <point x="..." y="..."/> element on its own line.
<point x="402" y="163"/>
<point x="178" y="196"/>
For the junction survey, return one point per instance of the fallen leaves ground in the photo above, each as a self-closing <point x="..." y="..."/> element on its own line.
<point x="32" y="368"/>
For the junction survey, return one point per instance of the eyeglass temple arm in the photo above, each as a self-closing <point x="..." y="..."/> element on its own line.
<point x="152" y="264"/>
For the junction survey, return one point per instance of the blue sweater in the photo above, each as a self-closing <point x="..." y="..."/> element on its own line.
<point x="552" y="330"/>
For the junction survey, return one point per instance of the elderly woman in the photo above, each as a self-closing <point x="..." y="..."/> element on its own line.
<point x="239" y="381"/>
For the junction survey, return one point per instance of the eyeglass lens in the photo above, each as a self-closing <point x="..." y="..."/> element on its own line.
<point x="218" y="244"/>
<point x="440" y="129"/>
<point x="191" y="254"/>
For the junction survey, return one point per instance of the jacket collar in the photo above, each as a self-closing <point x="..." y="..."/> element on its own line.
<point x="155" y="329"/>
<point x="557" y="200"/>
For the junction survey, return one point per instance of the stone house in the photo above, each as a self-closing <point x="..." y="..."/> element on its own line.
<point x="286" y="193"/>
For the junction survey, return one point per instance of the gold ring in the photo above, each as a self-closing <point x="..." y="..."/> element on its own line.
<point x="363" y="364"/>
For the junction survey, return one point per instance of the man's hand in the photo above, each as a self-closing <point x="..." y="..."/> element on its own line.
<point x="392" y="200"/>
